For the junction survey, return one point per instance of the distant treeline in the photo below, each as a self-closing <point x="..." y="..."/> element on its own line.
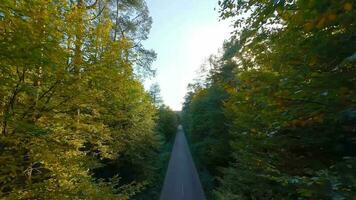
<point x="275" y="116"/>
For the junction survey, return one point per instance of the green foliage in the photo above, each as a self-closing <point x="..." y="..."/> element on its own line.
<point x="70" y="102"/>
<point x="155" y="93"/>
<point x="288" y="110"/>
<point x="166" y="127"/>
<point x="167" y="123"/>
<point x="204" y="121"/>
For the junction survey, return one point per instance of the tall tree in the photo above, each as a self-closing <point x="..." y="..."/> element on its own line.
<point x="155" y="93"/>
<point x="71" y="103"/>
<point x="290" y="108"/>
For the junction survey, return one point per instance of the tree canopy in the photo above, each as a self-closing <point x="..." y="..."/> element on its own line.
<point x="277" y="108"/>
<point x="72" y="104"/>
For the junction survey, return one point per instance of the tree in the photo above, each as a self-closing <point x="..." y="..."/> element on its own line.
<point x="289" y="91"/>
<point x="132" y="21"/>
<point x="71" y="104"/>
<point x="167" y="123"/>
<point x="155" y="93"/>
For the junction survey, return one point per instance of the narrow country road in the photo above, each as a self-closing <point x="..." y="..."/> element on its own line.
<point x="182" y="180"/>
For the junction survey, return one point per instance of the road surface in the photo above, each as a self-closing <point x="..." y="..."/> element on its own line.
<point x="182" y="180"/>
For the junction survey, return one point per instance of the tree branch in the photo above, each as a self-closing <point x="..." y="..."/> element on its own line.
<point x="92" y="5"/>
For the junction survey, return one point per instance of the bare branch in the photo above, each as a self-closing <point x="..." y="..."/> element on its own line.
<point x="92" y="5"/>
<point x="100" y="11"/>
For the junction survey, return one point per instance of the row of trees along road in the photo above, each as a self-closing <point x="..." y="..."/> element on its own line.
<point x="76" y="122"/>
<point x="275" y="116"/>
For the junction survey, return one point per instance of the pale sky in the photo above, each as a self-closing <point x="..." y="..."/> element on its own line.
<point x="184" y="34"/>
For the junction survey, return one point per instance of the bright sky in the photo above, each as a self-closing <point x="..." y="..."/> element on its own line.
<point x="184" y="34"/>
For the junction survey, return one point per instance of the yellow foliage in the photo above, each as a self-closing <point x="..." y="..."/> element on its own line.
<point x="348" y="6"/>
<point x="321" y="22"/>
<point x="332" y="16"/>
<point x="308" y="26"/>
<point x="51" y="108"/>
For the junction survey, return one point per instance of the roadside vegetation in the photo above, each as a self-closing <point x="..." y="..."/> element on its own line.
<point x="275" y="116"/>
<point x="76" y="122"/>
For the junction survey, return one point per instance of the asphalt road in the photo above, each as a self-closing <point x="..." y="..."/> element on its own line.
<point x="182" y="180"/>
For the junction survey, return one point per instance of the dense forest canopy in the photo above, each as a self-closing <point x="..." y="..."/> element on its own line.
<point x="76" y="122"/>
<point x="275" y="116"/>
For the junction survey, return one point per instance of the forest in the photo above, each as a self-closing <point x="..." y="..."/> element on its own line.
<point x="273" y="116"/>
<point x="76" y="122"/>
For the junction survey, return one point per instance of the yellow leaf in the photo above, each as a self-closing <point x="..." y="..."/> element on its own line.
<point x="308" y="26"/>
<point x="332" y="17"/>
<point x="348" y="6"/>
<point x="321" y="22"/>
